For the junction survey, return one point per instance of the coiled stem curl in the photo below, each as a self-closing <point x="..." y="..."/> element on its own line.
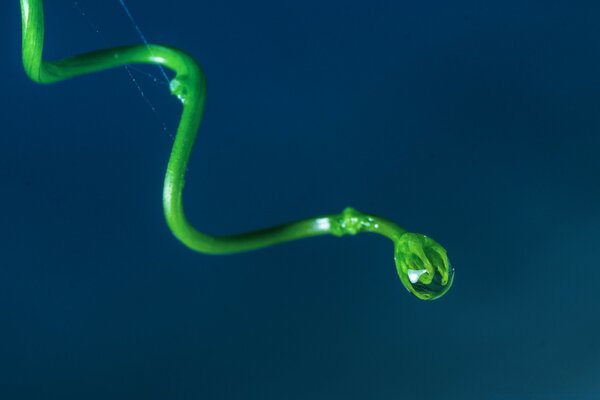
<point x="422" y="264"/>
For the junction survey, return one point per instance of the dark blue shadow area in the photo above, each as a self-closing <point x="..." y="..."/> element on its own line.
<point x="473" y="122"/>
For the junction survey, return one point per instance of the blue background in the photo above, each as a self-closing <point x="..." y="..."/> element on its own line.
<point x="473" y="122"/>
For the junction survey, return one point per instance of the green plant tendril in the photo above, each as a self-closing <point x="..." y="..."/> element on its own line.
<point x="421" y="263"/>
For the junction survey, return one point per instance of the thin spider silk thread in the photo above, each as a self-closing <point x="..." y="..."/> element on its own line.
<point x="97" y="30"/>
<point x="422" y="264"/>
<point x="129" y="69"/>
<point x="141" y="35"/>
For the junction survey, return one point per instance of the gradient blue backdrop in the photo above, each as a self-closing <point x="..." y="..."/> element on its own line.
<point x="474" y="122"/>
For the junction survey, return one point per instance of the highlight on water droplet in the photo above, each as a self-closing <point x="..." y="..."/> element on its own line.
<point x="414" y="274"/>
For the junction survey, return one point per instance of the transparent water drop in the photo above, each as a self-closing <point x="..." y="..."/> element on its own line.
<point x="423" y="266"/>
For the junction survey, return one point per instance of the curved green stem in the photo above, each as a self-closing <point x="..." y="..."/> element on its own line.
<point x="421" y="263"/>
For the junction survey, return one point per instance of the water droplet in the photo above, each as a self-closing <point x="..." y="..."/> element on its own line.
<point x="423" y="266"/>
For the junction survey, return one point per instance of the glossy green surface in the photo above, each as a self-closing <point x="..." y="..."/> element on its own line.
<point x="421" y="263"/>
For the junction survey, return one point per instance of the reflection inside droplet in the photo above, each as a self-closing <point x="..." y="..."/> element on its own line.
<point x="423" y="266"/>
